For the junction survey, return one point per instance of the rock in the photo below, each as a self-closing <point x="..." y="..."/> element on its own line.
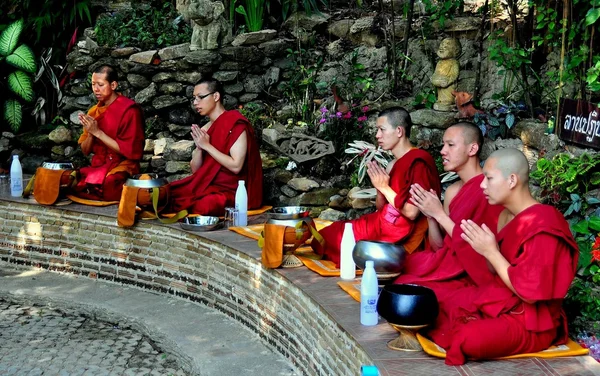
<point x="275" y="48"/>
<point x="74" y="117"/>
<point x="424" y="136"/>
<point x="165" y="101"/>
<point x="335" y="49"/>
<point x="362" y="24"/>
<point x="146" y="95"/>
<point x="58" y="150"/>
<point x="332" y="215"/>
<point x="203" y="57"/>
<point x="303" y="184"/>
<point x="178" y="167"/>
<point x="339" y="202"/>
<point x="60" y="135"/>
<point x="149" y="146"/>
<point x="533" y="133"/>
<point x="163" y="77"/>
<point x="254" y="37"/>
<point x="189" y="77"/>
<point x="158" y="162"/>
<point x="225" y="76"/>
<point x="248" y="97"/>
<point x="179" y="130"/>
<point x="5" y="145"/>
<point x="234" y="89"/>
<point x="300" y="21"/>
<point x="79" y="62"/>
<point x="318" y="197"/>
<point x="137" y="80"/>
<point x="31" y="163"/>
<point x="433" y="118"/>
<point x="179" y="151"/>
<point x="161" y="144"/>
<point x="144" y="57"/>
<point x="460" y="24"/>
<point x="282" y="176"/>
<point x="254" y="84"/>
<point x="70" y="151"/>
<point x="182" y="116"/>
<point x="244" y="54"/>
<point x="288" y="191"/>
<point x="174" y="52"/>
<point x="271" y="77"/>
<point x="124" y="52"/>
<point x="171" y="88"/>
<point x="340" y="28"/>
<point x="359" y="203"/>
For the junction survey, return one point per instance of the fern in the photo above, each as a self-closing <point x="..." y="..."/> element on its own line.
<point x="21" y="84"/>
<point x="10" y="37"/>
<point x="22" y="58"/>
<point x="13" y="113"/>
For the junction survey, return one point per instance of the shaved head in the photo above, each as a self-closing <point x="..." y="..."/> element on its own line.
<point x="471" y="133"/>
<point x="511" y="161"/>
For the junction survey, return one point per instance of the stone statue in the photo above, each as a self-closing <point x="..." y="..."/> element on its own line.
<point x="210" y="29"/>
<point x="446" y="74"/>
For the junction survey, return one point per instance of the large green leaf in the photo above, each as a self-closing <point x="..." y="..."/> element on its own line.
<point x="9" y="38"/>
<point x="592" y="16"/>
<point x="22" y="58"/>
<point x="21" y="84"/>
<point x="13" y="113"/>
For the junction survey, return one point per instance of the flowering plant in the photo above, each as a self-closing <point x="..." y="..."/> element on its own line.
<point x="341" y="128"/>
<point x="596" y="249"/>
<point x="368" y="152"/>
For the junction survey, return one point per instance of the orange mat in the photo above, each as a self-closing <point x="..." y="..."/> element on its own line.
<point x="85" y="201"/>
<point x="571" y="348"/>
<point x="352" y="288"/>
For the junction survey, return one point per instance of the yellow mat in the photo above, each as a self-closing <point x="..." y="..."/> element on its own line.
<point x="85" y="201"/>
<point x="352" y="288"/>
<point x="571" y="348"/>
<point x="253" y="231"/>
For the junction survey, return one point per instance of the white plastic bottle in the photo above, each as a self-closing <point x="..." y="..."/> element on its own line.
<point x="347" y="265"/>
<point x="16" y="177"/>
<point x="241" y="204"/>
<point x="369" y="290"/>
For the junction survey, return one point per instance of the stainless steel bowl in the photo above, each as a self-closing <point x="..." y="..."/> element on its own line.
<point x="386" y="257"/>
<point x="58" y="165"/>
<point x="291" y="222"/>
<point x="288" y="212"/>
<point x="201" y="223"/>
<point x="154" y="182"/>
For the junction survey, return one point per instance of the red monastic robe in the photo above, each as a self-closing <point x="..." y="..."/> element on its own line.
<point x="543" y="260"/>
<point x="212" y="187"/>
<point x="122" y="120"/>
<point x="387" y="224"/>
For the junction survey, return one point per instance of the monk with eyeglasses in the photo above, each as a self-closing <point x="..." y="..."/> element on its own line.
<point x="226" y="152"/>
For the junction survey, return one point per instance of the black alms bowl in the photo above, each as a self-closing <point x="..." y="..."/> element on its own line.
<point x="408" y="305"/>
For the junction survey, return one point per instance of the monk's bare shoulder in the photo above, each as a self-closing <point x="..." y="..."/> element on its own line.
<point x="452" y="191"/>
<point x="504" y="218"/>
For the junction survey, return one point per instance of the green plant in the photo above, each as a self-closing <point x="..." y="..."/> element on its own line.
<point x="367" y="152"/>
<point x="146" y="26"/>
<point x="425" y="98"/>
<point x="440" y="11"/>
<point x="291" y="6"/>
<point x="17" y="64"/>
<point x="496" y="122"/>
<point x="252" y="10"/>
<point x="344" y="128"/>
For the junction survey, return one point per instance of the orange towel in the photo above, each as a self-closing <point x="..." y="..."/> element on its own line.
<point x="126" y="213"/>
<point x="272" y="250"/>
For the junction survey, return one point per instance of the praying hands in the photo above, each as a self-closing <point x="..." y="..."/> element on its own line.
<point x="427" y="201"/>
<point x="481" y="238"/>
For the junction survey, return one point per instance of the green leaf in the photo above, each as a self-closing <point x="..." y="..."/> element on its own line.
<point x="10" y="37"/>
<point x="592" y="16"/>
<point x="581" y="227"/>
<point x="22" y="58"/>
<point x="21" y="84"/>
<point x="594" y="223"/>
<point x="13" y="113"/>
<point x="510" y="120"/>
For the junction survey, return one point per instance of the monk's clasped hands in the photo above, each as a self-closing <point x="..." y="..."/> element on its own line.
<point x="481" y="238"/>
<point x="200" y="136"/>
<point x="89" y="123"/>
<point x="379" y="177"/>
<point x="426" y="201"/>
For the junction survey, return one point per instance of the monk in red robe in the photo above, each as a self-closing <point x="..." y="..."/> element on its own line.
<point x="533" y="261"/>
<point x="113" y="131"/>
<point x="226" y="152"/>
<point x="396" y="219"/>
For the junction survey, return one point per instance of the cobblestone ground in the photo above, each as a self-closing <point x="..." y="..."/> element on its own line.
<point x="38" y="340"/>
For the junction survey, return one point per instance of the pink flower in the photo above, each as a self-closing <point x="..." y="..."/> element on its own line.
<point x="362" y="118"/>
<point x="365" y="109"/>
<point x="338" y="114"/>
<point x="323" y="120"/>
<point x="324" y="110"/>
<point x="348" y="115"/>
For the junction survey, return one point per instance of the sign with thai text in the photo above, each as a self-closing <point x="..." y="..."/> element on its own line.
<point x="579" y="122"/>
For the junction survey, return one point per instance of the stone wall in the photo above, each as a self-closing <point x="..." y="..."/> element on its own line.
<point x="170" y="261"/>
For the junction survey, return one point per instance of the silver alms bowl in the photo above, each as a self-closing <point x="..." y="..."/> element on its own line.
<point x="201" y="223"/>
<point x="386" y="257"/>
<point x="288" y="212"/>
<point x="58" y="165"/>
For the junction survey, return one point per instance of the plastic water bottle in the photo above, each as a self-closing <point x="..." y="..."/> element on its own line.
<point x="347" y="265"/>
<point x="369" y="371"/>
<point x="368" y="295"/>
<point x="16" y="177"/>
<point x="241" y="204"/>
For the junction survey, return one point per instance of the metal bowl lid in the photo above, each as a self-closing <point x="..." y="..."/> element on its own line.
<point x="146" y="181"/>
<point x="58" y="165"/>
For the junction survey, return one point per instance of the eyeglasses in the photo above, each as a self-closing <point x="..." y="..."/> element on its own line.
<point x="200" y="97"/>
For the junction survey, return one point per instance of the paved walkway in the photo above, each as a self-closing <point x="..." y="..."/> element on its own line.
<point x="54" y="324"/>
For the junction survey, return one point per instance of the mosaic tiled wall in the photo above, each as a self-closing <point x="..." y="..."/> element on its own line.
<point x="167" y="260"/>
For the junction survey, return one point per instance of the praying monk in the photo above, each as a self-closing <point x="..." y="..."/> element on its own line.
<point x="226" y="152"/>
<point x="533" y="261"/>
<point x="396" y="218"/>
<point x="450" y="262"/>
<point x="113" y="131"/>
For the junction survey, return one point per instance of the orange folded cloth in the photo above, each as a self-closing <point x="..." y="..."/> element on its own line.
<point x="126" y="213"/>
<point x="272" y="250"/>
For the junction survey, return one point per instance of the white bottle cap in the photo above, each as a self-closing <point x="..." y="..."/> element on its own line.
<point x="241" y="182"/>
<point x="369" y="264"/>
<point x="16" y="156"/>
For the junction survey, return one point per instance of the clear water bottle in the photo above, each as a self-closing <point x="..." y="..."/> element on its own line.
<point x="347" y="265"/>
<point x="241" y="204"/>
<point x="16" y="177"/>
<point x="369" y="290"/>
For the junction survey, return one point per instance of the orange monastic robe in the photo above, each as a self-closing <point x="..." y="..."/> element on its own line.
<point x="387" y="224"/>
<point x="491" y="321"/>
<point x="212" y="187"/>
<point x="122" y="120"/>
